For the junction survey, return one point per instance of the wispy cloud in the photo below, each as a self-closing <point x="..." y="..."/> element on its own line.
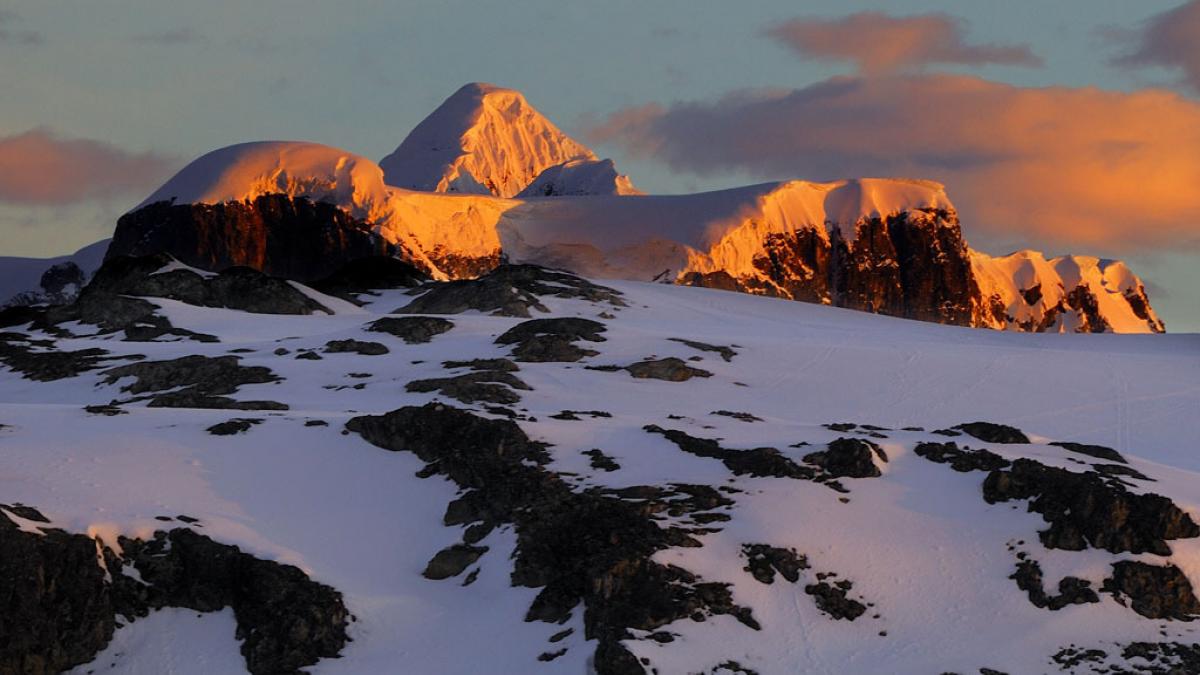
<point x="38" y="167"/>
<point x="1170" y="40"/>
<point x="877" y="42"/>
<point x="1055" y="165"/>
<point x="168" y="38"/>
<point x="15" y="35"/>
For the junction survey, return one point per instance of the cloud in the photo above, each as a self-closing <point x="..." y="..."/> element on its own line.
<point x="1050" y="165"/>
<point x="878" y="42"/>
<point x="20" y="37"/>
<point x="38" y="167"/>
<point x="1170" y="39"/>
<point x="168" y="38"/>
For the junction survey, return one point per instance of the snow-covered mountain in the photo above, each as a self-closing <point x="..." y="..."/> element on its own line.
<point x="25" y="281"/>
<point x="486" y="139"/>
<point x="1064" y="294"/>
<point x="891" y="246"/>
<point x="531" y="472"/>
<point x="580" y="177"/>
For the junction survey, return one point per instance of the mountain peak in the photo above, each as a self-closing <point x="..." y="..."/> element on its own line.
<point x="483" y="139"/>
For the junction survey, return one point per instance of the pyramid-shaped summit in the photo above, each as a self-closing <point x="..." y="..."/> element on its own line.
<point x="484" y="139"/>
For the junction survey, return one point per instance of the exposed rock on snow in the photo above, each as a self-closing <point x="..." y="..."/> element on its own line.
<point x="484" y="139"/>
<point x="759" y="462"/>
<point x="607" y="566"/>
<point x="670" y="369"/>
<point x="38" y="360"/>
<point x="73" y="589"/>
<point x="241" y="288"/>
<point x="1098" y="451"/>
<point x="1084" y="509"/>
<point x="411" y="329"/>
<point x="1154" y="591"/>
<point x="543" y="340"/>
<point x="763" y="561"/>
<point x="193" y="382"/>
<point x="509" y="290"/>
<point x="237" y="425"/>
<point x="493" y="386"/>
<point x="832" y="597"/>
<point x="848" y="458"/>
<point x="1071" y="590"/>
<point x="351" y="346"/>
<point x="993" y="433"/>
<point x="961" y="459"/>
<point x="727" y="353"/>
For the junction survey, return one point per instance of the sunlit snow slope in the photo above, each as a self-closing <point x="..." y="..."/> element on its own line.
<point x="484" y="139"/>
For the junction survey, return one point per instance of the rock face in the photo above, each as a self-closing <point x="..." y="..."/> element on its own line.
<point x="913" y="264"/>
<point x="283" y="236"/>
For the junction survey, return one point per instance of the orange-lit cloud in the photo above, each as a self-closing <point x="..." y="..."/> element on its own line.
<point x="38" y="167"/>
<point x="1170" y="39"/>
<point x="878" y="42"/>
<point x="1052" y="165"/>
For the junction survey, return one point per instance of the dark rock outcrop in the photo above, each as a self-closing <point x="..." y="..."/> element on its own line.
<point x="360" y="347"/>
<point x="194" y="382"/>
<point x="758" y="462"/>
<point x="509" y="290"/>
<point x="834" y="599"/>
<point x="493" y="386"/>
<point x="1071" y="590"/>
<point x="237" y="287"/>
<point x="1097" y="451"/>
<point x="41" y="361"/>
<point x="763" y="561"/>
<point x="1154" y="591"/>
<point x="287" y="237"/>
<point x="670" y="369"/>
<point x="411" y="329"/>
<point x="237" y="425"/>
<point x="1085" y="509"/>
<point x="374" y="273"/>
<point x="546" y="340"/>
<point x="993" y="433"/>
<point x="726" y="353"/>
<point x="57" y="610"/>
<point x="588" y="547"/>
<point x="848" y="458"/>
<point x="961" y="459"/>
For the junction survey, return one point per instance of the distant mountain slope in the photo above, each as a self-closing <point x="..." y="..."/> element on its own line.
<point x="484" y="139"/>
<point x="23" y="276"/>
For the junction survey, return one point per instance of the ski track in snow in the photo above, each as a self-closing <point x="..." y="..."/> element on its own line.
<point x="919" y="542"/>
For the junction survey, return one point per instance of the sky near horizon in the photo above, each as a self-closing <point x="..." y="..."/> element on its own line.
<point x="1072" y="127"/>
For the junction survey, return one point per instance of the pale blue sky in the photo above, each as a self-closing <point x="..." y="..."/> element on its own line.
<point x="182" y="78"/>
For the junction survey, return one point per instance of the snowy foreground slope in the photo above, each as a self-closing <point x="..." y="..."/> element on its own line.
<point x="928" y="558"/>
